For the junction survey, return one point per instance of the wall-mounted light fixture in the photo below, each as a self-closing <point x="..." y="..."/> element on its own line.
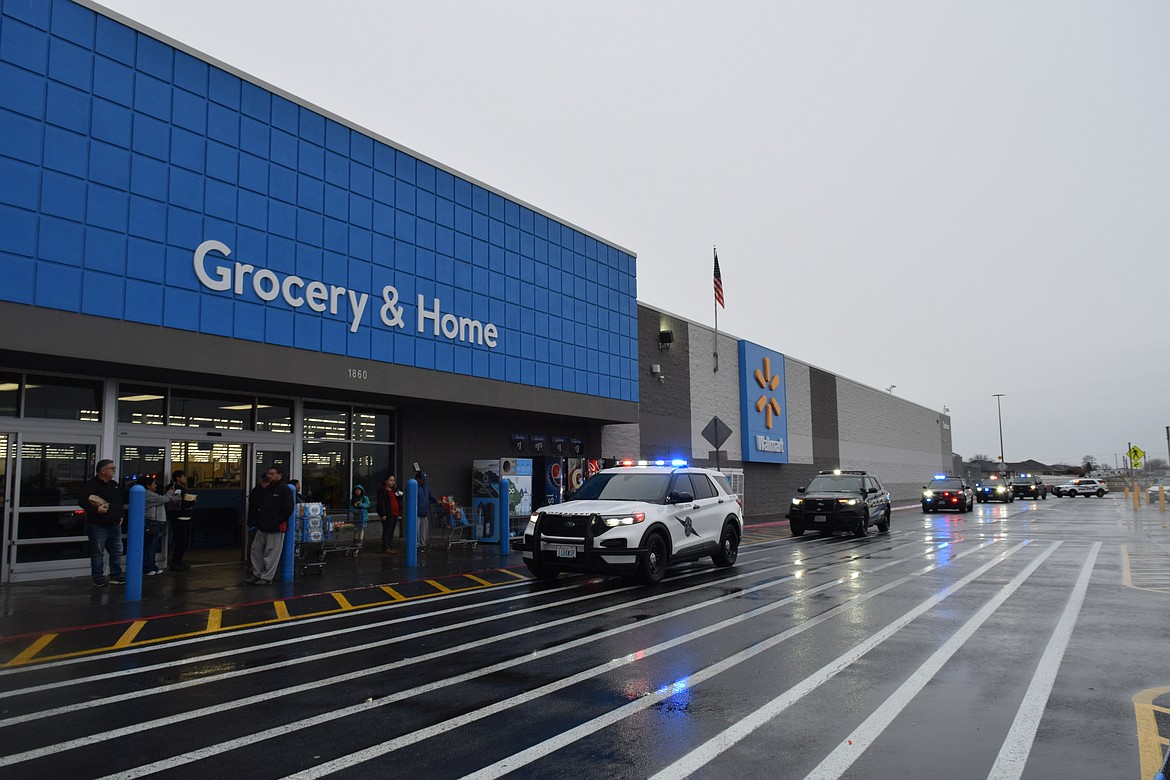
<point x="656" y="370"/>
<point x="665" y="338"/>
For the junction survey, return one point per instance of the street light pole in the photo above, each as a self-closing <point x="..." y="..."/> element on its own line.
<point x="999" y="410"/>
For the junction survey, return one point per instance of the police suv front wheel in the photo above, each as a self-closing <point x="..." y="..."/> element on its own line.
<point x="728" y="547"/>
<point x="652" y="565"/>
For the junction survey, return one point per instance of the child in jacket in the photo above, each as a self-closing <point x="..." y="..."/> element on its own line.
<point x="360" y="503"/>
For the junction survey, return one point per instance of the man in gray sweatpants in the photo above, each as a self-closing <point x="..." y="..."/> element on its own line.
<point x="273" y="507"/>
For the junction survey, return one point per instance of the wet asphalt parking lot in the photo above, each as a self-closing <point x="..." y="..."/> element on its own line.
<point x="1020" y="640"/>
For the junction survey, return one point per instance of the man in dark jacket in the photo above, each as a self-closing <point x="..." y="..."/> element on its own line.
<point x="180" y="509"/>
<point x="272" y="505"/>
<point x="425" y="500"/>
<point x="101" y="498"/>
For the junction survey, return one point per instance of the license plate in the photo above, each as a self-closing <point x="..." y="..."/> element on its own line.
<point x="566" y="552"/>
<point x="818" y="518"/>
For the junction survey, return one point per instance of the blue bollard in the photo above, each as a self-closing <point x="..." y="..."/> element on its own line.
<point x="135" y="541"/>
<point x="410" y="517"/>
<point x="290" y="543"/>
<point x="505" y="521"/>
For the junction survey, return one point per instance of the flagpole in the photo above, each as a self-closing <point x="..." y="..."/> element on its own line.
<point x="716" y="253"/>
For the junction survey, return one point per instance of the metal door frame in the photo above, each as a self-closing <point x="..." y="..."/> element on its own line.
<point x="10" y="570"/>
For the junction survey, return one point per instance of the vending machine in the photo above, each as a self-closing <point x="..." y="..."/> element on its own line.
<point x="580" y="469"/>
<point x="486" y="474"/>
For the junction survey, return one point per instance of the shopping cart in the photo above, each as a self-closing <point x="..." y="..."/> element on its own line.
<point x="453" y="526"/>
<point x="311" y="530"/>
<point x="346" y="533"/>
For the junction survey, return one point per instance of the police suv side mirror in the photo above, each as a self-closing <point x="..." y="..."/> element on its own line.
<point x="870" y="490"/>
<point x="677" y="497"/>
<point x="800" y="490"/>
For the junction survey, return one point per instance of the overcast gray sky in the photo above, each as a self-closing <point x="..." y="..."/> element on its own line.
<point x="955" y="198"/>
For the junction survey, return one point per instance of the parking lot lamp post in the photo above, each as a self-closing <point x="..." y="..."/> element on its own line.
<point x="999" y="410"/>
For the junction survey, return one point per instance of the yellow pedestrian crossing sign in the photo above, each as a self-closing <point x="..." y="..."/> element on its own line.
<point x="1136" y="456"/>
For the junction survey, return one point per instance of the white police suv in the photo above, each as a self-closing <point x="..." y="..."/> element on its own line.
<point x="635" y="520"/>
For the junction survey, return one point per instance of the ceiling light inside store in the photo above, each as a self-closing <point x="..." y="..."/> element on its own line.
<point x="136" y="397"/>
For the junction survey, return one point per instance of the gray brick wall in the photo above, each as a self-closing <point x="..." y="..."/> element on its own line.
<point x="899" y="441"/>
<point x="798" y="392"/>
<point x="714" y="394"/>
<point x="665" y="394"/>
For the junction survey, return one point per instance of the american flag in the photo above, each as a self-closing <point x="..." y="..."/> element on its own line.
<point x="718" y="282"/>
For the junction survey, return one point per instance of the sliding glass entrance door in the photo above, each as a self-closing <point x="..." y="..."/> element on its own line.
<point x="44" y="524"/>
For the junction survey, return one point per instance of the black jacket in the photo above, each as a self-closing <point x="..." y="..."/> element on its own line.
<point x="111" y="492"/>
<point x="272" y="507"/>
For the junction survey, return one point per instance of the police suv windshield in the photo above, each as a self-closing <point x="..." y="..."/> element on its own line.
<point x="624" y="486"/>
<point x="946" y="484"/>
<point x="834" y="483"/>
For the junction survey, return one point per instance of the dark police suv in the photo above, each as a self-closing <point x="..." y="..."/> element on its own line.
<point x="840" y="501"/>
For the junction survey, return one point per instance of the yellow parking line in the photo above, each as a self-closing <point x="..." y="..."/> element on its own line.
<point x="128" y="636"/>
<point x="215" y="621"/>
<point x="1149" y="740"/>
<point x="30" y="652"/>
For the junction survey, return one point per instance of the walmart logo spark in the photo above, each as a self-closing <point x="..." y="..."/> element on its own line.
<point x="768" y="382"/>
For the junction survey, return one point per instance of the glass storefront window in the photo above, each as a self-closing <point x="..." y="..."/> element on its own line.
<point x="50" y="525"/>
<point x="340" y="452"/>
<point x="325" y="473"/>
<point x="138" y="463"/>
<point x="370" y="425"/>
<point x="275" y="415"/>
<point x="216" y="411"/>
<point x="326" y="423"/>
<point x="52" y="474"/>
<point x="142" y="404"/>
<point x="371" y="464"/>
<point x="209" y="465"/>
<point x="9" y="393"/>
<point x="55" y="551"/>
<point x="59" y="398"/>
<point x="3" y="475"/>
<point x="215" y="475"/>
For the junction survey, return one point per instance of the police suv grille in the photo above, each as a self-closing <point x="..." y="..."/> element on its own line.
<point x="821" y="504"/>
<point x="564" y="525"/>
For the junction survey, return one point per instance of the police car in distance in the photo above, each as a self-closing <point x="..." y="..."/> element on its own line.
<point x="1081" y="487"/>
<point x="947" y="494"/>
<point x="1028" y="486"/>
<point x="995" y="490"/>
<point x="635" y="520"/>
<point x="840" y="500"/>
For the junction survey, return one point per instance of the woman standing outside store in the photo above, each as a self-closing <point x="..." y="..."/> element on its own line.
<point x="389" y="510"/>
<point x="155" y="528"/>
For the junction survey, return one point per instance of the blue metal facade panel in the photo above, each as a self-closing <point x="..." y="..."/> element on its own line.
<point x="120" y="156"/>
